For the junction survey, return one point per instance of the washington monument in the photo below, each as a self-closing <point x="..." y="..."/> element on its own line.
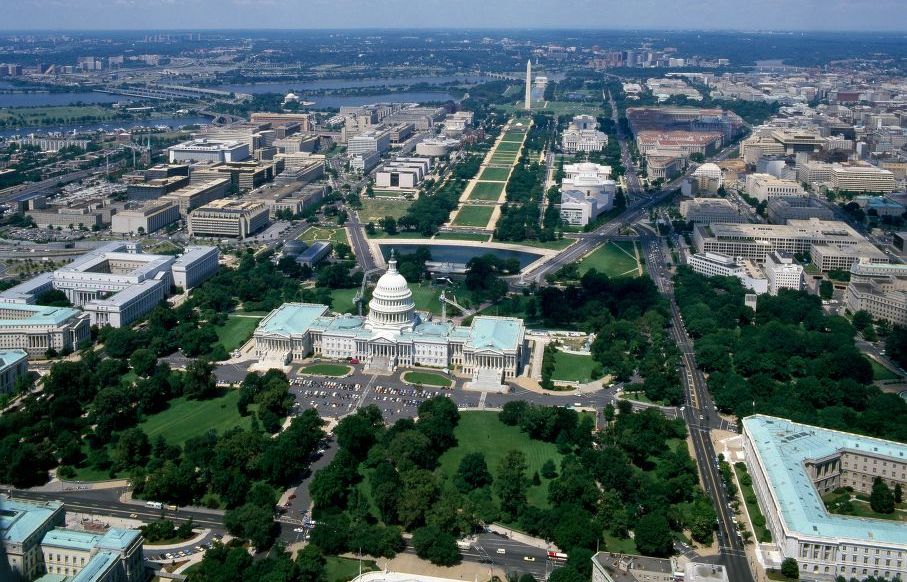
<point x="529" y="85"/>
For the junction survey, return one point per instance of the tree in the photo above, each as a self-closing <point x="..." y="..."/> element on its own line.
<point x="790" y="569"/>
<point x="653" y="535"/>
<point x="132" y="449"/>
<point x="253" y="523"/>
<point x="389" y="224"/>
<point x="472" y="473"/>
<point x="861" y="320"/>
<point x="549" y="469"/>
<point x="826" y="289"/>
<point x="567" y="574"/>
<point x="143" y="361"/>
<point x="199" y="382"/>
<point x="511" y="483"/>
<point x="436" y="546"/>
<point x="898" y="493"/>
<point x="881" y="500"/>
<point x="310" y="564"/>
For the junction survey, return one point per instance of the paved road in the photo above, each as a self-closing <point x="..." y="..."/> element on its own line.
<point x="23" y="191"/>
<point x="701" y="418"/>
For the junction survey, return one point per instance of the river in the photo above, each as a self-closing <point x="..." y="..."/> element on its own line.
<point x="171" y="122"/>
<point x="54" y="99"/>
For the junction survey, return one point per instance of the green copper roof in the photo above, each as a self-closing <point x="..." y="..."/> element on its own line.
<point x="499" y="333"/>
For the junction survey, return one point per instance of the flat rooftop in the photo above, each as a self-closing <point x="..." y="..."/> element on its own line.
<point x="292" y="318"/>
<point x="500" y="333"/>
<point x="783" y="446"/>
<point x="20" y="519"/>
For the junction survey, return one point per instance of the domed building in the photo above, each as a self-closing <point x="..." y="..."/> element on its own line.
<point x="392" y="334"/>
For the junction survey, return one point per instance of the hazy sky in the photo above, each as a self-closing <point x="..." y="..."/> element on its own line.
<point x="886" y="15"/>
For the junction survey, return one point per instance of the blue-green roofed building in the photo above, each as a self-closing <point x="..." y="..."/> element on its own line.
<point x="792" y="465"/>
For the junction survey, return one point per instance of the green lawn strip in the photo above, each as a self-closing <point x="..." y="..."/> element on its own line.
<point x="473" y="216"/>
<point x="612" y="259"/>
<point x="382" y="235"/>
<point x="620" y="546"/>
<point x="427" y="379"/>
<point x="483" y="432"/>
<point x="186" y="418"/>
<point x="573" y="367"/>
<point x="318" y="233"/>
<point x="508" y="146"/>
<point x="495" y="174"/>
<point x="880" y="372"/>
<point x="327" y="369"/>
<point x="486" y="191"/>
<point x="344" y="569"/>
<point x="551" y="244"/>
<point x="374" y="209"/>
<point x="391" y="192"/>
<point x="236" y="331"/>
<point x="342" y="300"/>
<point x="752" y="506"/>
<point x="637" y="396"/>
<point x="461" y="236"/>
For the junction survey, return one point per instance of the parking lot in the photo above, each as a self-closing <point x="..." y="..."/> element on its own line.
<point x="395" y="399"/>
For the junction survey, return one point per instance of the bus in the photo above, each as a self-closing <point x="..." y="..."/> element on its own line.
<point x="557" y="556"/>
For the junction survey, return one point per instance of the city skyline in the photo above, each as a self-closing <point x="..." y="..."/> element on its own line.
<point x="770" y="15"/>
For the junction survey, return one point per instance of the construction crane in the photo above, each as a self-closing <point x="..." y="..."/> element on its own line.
<point x="445" y="302"/>
<point x="360" y="295"/>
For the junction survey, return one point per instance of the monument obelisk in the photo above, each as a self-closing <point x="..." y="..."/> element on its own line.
<point x="529" y="85"/>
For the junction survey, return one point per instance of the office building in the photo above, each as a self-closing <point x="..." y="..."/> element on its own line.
<point x="782" y="272"/>
<point x="37" y="329"/>
<point x="862" y="178"/>
<point x="115" y="284"/>
<point x="92" y="215"/>
<point x="242" y="176"/>
<point x="831" y="257"/>
<point x="365" y="162"/>
<point x="13" y="365"/>
<point x="792" y="465"/>
<point x="191" y="197"/>
<point x="704" y="572"/>
<point x="694" y="119"/>
<point x="677" y="143"/>
<point x="228" y="218"/>
<point x="708" y="178"/>
<point x="316" y="253"/>
<point x="299" y="168"/>
<point x="403" y="173"/>
<point x="37" y="544"/>
<point x="373" y="141"/>
<point x="304" y="120"/>
<point x="195" y="266"/>
<point x="781" y="209"/>
<point x="156" y="181"/>
<point x="711" y="210"/>
<point x="146" y="219"/>
<point x="879" y="206"/>
<point x="612" y="567"/>
<point x="718" y="265"/>
<point x="586" y="192"/>
<point x="392" y="334"/>
<point x="763" y="187"/>
<point x="205" y="150"/>
<point x="754" y="241"/>
<point x="880" y="289"/>
<point x="814" y="172"/>
<point x="664" y="167"/>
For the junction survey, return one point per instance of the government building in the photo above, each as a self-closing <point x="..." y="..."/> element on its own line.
<point x="393" y="334"/>
<point x="792" y="465"/>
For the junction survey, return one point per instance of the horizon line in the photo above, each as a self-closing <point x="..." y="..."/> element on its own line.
<point x="578" y="28"/>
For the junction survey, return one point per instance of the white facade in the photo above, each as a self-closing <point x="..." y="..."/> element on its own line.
<point x="862" y="178"/>
<point x="582" y="135"/>
<point x="205" y="150"/>
<point x="37" y="329"/>
<point x="195" y="266"/>
<point x="392" y="335"/>
<point x="763" y="187"/>
<point x="782" y="273"/>
<point x="150" y="218"/>
<point x="718" y="265"/>
<point x="13" y="365"/>
<point x="228" y="218"/>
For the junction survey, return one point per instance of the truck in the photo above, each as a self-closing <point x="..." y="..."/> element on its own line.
<point x="154" y="505"/>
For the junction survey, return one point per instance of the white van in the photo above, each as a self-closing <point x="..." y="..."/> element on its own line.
<point x="501" y="551"/>
<point x="154" y="505"/>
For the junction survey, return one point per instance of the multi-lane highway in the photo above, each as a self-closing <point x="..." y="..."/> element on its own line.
<point x="701" y="418"/>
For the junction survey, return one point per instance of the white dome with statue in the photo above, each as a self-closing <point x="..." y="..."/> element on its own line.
<point x="392" y="306"/>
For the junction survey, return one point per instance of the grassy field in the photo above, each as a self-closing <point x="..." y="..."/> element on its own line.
<point x="499" y="174"/>
<point x="391" y="192"/>
<point x="345" y="569"/>
<point x="461" y="236"/>
<point x="613" y="544"/>
<point x="613" y="259"/>
<point x="508" y="146"/>
<point x="514" y="136"/>
<point x="573" y="367"/>
<point x="374" y="209"/>
<point x="880" y="373"/>
<point x="55" y="114"/>
<point x="427" y="379"/>
<point x="342" y="300"/>
<point x="550" y="244"/>
<point x="473" y="216"/>
<point x="487" y="190"/>
<point x="315" y="233"/>
<point x="482" y="432"/>
<point x="185" y="418"/>
<point x="752" y="506"/>
<point x="236" y="331"/>
<point x="327" y="369"/>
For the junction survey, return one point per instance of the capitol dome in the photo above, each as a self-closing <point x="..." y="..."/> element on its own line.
<point x="392" y="306"/>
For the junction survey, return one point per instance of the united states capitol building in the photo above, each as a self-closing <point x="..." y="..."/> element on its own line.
<point x="393" y="334"/>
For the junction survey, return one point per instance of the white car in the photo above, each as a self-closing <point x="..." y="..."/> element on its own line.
<point x="299" y="530"/>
